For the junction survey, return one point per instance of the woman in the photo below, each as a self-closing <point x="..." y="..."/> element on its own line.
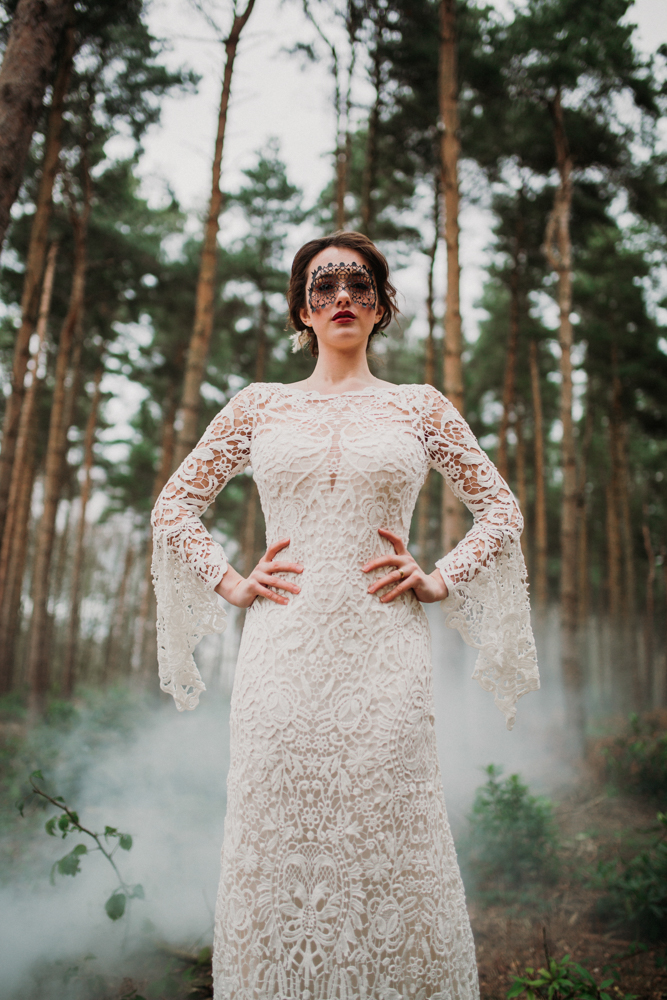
<point x="339" y="875"/>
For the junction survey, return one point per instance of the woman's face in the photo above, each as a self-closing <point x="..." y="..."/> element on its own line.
<point x="341" y="299"/>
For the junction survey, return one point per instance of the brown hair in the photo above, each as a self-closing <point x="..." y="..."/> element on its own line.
<point x="296" y="292"/>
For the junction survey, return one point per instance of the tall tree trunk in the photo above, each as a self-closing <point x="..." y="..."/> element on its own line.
<point x="26" y="425"/>
<point x="429" y="371"/>
<point x="26" y="70"/>
<point x="452" y="511"/>
<point x="69" y="665"/>
<point x="11" y="604"/>
<point x="38" y="654"/>
<point x="510" y="368"/>
<point x="650" y="614"/>
<point x="144" y="630"/>
<point x="613" y="554"/>
<point x="205" y="295"/>
<point x="32" y="280"/>
<point x="116" y="627"/>
<point x="540" y="527"/>
<point x="583" y="568"/>
<point x="558" y="250"/>
<point x="521" y="478"/>
<point x="252" y="501"/>
<point x="369" y="179"/>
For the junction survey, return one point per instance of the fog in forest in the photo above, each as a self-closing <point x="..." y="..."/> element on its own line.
<point x="164" y="783"/>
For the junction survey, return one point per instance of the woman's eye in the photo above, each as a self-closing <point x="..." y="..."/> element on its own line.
<point x="323" y="287"/>
<point x="361" y="286"/>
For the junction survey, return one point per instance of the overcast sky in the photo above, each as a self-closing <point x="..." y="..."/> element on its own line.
<point x="275" y="95"/>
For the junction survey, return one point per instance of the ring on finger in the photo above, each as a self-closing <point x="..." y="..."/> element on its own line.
<point x="401" y="574"/>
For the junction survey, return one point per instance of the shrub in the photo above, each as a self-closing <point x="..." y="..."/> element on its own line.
<point x="636" y="761"/>
<point x="635" y="891"/>
<point x="512" y="833"/>
<point x="564" y="980"/>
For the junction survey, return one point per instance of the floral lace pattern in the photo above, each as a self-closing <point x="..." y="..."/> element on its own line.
<point x="339" y="874"/>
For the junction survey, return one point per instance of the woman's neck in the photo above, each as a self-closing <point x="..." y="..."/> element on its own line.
<point x="336" y="371"/>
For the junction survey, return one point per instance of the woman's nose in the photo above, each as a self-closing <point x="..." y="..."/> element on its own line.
<point x="342" y="296"/>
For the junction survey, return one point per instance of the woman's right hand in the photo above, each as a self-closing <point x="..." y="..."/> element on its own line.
<point x="241" y="591"/>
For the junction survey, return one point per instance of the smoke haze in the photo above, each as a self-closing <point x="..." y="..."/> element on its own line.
<point x="163" y="781"/>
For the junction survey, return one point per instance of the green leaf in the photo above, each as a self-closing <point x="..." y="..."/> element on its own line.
<point x="110" y="831"/>
<point x="115" y="905"/>
<point x="74" y="816"/>
<point x="37" y="774"/>
<point x="63" y="822"/>
<point x="80" y="849"/>
<point x="50" y="826"/>
<point x="138" y="892"/>
<point x="20" y="806"/>
<point x="69" y="865"/>
<point x="125" y="842"/>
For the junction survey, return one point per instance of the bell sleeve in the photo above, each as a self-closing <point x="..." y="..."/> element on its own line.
<point x="187" y="563"/>
<point x="486" y="572"/>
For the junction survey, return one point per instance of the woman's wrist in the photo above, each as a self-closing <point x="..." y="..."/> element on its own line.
<point x="228" y="584"/>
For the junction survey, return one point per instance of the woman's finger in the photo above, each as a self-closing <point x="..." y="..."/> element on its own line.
<point x="407" y="584"/>
<point x="395" y="540"/>
<point x="273" y="550"/>
<point x="272" y="596"/>
<point x="394" y="577"/>
<point x="268" y="581"/>
<point x="280" y="567"/>
<point x="391" y="560"/>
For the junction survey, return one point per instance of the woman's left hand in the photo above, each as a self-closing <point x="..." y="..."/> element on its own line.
<point x="408" y="575"/>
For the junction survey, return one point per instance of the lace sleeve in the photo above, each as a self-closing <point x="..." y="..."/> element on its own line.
<point x="486" y="572"/>
<point x="187" y="562"/>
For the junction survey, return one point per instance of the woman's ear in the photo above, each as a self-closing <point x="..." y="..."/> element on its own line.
<point x="305" y="317"/>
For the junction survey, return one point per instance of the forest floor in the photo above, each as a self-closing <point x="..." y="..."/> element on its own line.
<point x="562" y="919"/>
<point x="512" y="929"/>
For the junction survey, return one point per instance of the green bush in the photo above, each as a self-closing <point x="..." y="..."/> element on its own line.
<point x="564" y="980"/>
<point x="636" y="761"/>
<point x="512" y="834"/>
<point x="635" y="891"/>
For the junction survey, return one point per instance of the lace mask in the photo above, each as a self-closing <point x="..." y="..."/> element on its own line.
<point x="327" y="281"/>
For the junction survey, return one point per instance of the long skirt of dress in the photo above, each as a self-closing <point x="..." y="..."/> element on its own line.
<point x="339" y="873"/>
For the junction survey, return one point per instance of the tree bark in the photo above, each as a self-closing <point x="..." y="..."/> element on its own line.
<point x="452" y="511"/>
<point x="11" y="605"/>
<point x="521" y="479"/>
<point x="116" y="627"/>
<point x="510" y="368"/>
<point x="69" y="663"/>
<point x="370" y="165"/>
<point x="650" y="614"/>
<point x="540" y="528"/>
<point x="204" y="300"/>
<point x="38" y="654"/>
<point x="429" y="373"/>
<point x="583" y="568"/>
<point x="558" y="250"/>
<point x="15" y="512"/>
<point x="252" y="501"/>
<point x="144" y="630"/>
<point x="34" y="267"/>
<point x="26" y="70"/>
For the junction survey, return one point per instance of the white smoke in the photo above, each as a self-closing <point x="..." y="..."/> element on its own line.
<point x="164" y="782"/>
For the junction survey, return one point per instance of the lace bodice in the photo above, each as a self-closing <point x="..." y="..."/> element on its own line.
<point x="330" y="471"/>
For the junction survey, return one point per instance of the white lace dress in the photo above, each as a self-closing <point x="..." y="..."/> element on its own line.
<point x="339" y="874"/>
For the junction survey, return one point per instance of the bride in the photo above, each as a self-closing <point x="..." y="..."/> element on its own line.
<point x="339" y="875"/>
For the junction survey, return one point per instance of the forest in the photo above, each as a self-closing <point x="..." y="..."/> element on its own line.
<point x="547" y="117"/>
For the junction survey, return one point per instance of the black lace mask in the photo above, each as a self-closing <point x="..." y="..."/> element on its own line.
<point x="327" y="281"/>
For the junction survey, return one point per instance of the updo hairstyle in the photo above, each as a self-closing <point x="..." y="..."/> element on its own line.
<point x="304" y="336"/>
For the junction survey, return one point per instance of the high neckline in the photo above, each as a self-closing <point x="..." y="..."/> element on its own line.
<point x="347" y="392"/>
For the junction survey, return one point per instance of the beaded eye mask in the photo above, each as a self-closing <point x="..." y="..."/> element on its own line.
<point x="327" y="281"/>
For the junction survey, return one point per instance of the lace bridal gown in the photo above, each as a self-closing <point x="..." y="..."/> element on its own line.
<point x="339" y="875"/>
